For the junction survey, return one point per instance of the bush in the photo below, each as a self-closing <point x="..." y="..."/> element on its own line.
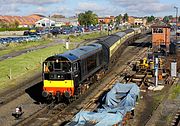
<point x="13" y="29"/>
<point x="71" y="36"/>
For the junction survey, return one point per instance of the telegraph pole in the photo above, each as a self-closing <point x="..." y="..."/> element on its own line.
<point x="176" y="19"/>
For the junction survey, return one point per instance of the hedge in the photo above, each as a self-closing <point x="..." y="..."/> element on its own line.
<point x="13" y="29"/>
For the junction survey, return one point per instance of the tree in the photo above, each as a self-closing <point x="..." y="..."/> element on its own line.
<point x="125" y="17"/>
<point x="170" y="17"/>
<point x="3" y="25"/>
<point x="88" y="18"/>
<point x="150" y="19"/>
<point x="111" y="22"/>
<point x="166" y="19"/>
<point x="118" y="19"/>
<point x="16" y="23"/>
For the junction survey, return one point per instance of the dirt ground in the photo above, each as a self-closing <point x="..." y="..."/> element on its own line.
<point x="157" y="108"/>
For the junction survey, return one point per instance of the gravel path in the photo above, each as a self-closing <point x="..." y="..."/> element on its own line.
<point x="25" y="101"/>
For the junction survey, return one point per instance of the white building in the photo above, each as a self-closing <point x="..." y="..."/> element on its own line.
<point x="45" y="22"/>
<point x="65" y="21"/>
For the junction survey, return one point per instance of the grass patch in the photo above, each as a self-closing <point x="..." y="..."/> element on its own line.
<point x="175" y="91"/>
<point x="13" y="29"/>
<point x="12" y="47"/>
<point x="83" y="37"/>
<point x="23" y="64"/>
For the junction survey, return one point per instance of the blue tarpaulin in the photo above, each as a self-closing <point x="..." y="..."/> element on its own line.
<point x="117" y="102"/>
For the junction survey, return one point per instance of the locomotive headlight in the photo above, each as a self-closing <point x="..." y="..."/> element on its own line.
<point x="51" y="76"/>
<point x="58" y="76"/>
<point x="57" y="61"/>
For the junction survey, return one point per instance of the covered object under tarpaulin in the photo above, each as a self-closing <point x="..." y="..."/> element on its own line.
<point x="117" y="102"/>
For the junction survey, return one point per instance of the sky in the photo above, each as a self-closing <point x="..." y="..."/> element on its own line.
<point x="69" y="8"/>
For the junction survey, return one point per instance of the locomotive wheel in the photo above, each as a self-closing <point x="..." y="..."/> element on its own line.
<point x="58" y="97"/>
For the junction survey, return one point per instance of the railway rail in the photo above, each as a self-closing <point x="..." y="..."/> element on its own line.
<point x="90" y="102"/>
<point x="59" y="110"/>
<point x="8" y="96"/>
<point x="12" y="97"/>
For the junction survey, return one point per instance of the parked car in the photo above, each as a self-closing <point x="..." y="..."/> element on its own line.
<point x="66" y="31"/>
<point x="55" y="31"/>
<point x="26" y="33"/>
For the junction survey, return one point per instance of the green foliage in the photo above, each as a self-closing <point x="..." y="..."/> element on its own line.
<point x="16" y="24"/>
<point x="118" y="19"/>
<point x="150" y="19"/>
<point x="13" y="29"/>
<point x="83" y="37"/>
<point x="88" y="18"/>
<point x="175" y="91"/>
<point x="125" y="17"/>
<point x="166" y="19"/>
<point x="72" y="36"/>
<point x="111" y="22"/>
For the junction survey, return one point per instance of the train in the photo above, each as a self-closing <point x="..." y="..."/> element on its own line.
<point x="69" y="74"/>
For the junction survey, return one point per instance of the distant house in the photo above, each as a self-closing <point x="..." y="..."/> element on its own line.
<point x="45" y="22"/>
<point x="65" y="21"/>
<point x="137" y="21"/>
<point x="106" y="20"/>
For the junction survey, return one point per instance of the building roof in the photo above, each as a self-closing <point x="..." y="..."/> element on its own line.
<point x="22" y="20"/>
<point x="160" y="25"/>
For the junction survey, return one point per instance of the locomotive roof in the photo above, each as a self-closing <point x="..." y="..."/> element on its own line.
<point x="81" y="52"/>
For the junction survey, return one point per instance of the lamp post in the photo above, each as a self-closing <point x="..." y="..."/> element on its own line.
<point x="176" y="19"/>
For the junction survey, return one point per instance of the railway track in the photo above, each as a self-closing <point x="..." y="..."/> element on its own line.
<point x="90" y="102"/>
<point x="15" y="92"/>
<point x="8" y="96"/>
<point x="45" y="115"/>
<point x="12" y="98"/>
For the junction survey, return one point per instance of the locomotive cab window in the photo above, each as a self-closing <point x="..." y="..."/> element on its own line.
<point x="57" y="65"/>
<point x="48" y="66"/>
<point x="75" y="66"/>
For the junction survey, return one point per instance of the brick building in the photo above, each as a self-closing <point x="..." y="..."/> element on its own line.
<point x="137" y="21"/>
<point x="160" y="37"/>
<point x="106" y="20"/>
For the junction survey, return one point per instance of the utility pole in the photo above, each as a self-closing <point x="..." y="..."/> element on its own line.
<point x="49" y="23"/>
<point x="176" y="19"/>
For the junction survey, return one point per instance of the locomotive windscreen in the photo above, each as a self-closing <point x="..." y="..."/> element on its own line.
<point x="50" y="66"/>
